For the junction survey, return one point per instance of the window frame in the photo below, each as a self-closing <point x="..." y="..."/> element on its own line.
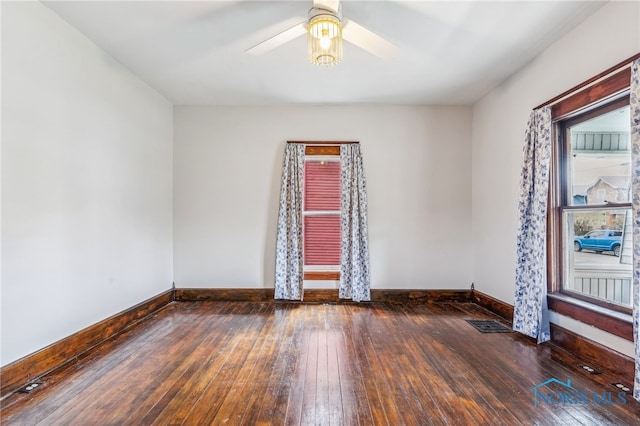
<point x="589" y="98"/>
<point x="561" y="142"/>
<point x="312" y="272"/>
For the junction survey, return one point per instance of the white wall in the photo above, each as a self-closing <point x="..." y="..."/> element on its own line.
<point x="608" y="37"/>
<point x="86" y="183"/>
<point x="227" y="165"/>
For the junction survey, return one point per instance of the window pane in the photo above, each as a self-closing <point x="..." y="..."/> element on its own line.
<point x="322" y="240"/>
<point x="598" y="254"/>
<point x="600" y="159"/>
<point x="322" y="185"/>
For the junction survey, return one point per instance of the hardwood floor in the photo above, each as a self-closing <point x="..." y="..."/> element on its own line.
<point x="240" y="363"/>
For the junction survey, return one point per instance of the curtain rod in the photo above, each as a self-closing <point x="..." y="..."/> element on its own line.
<point x="324" y="142"/>
<point x="613" y="70"/>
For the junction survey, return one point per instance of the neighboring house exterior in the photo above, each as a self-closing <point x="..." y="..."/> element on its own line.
<point x="613" y="189"/>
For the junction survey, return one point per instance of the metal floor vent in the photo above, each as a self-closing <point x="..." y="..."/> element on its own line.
<point x="489" y="326"/>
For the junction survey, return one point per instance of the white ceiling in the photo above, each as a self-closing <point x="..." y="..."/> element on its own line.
<point x="449" y="53"/>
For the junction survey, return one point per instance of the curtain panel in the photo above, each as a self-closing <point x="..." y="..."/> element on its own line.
<point x="354" y="266"/>
<point x="635" y="190"/>
<point x="289" y="272"/>
<point x="530" y="307"/>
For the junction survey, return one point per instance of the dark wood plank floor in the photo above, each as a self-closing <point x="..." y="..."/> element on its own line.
<point x="202" y="363"/>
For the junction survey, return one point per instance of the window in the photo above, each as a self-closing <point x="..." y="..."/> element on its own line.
<point x="589" y="224"/>
<point x="594" y="164"/>
<point x="309" y="243"/>
<point x="321" y="213"/>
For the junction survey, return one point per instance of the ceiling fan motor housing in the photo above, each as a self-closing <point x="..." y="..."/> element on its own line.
<point x="316" y="12"/>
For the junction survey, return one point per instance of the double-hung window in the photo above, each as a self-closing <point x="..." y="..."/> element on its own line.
<point x="590" y="227"/>
<point x="321" y="213"/>
<point x="595" y="204"/>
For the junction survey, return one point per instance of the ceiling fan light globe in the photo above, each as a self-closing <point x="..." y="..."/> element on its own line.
<point x="325" y="40"/>
<point x="325" y="43"/>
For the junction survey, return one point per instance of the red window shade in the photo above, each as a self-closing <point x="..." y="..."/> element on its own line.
<point x="322" y="231"/>
<point x="322" y="240"/>
<point x="322" y="185"/>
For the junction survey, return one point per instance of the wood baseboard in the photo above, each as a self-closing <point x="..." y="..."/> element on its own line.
<point x="593" y="352"/>
<point x="498" y="307"/>
<point x="224" y="294"/>
<point x="31" y="367"/>
<point x="421" y="296"/>
<point x="586" y="349"/>
<point x="323" y="295"/>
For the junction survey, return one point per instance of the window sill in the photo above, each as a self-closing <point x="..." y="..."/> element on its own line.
<point x="328" y="276"/>
<point x="617" y="323"/>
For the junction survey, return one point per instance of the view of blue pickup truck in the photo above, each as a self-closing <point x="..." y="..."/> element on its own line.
<point x="599" y="240"/>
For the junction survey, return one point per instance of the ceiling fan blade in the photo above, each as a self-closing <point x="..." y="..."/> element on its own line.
<point x="366" y="40"/>
<point x="332" y="5"/>
<point x="278" y="39"/>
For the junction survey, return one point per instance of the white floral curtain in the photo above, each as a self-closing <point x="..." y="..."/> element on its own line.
<point x="635" y="190"/>
<point x="289" y="273"/>
<point x="354" y="269"/>
<point x="530" y="315"/>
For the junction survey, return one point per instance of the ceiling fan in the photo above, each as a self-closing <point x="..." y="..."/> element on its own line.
<point x="326" y="28"/>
